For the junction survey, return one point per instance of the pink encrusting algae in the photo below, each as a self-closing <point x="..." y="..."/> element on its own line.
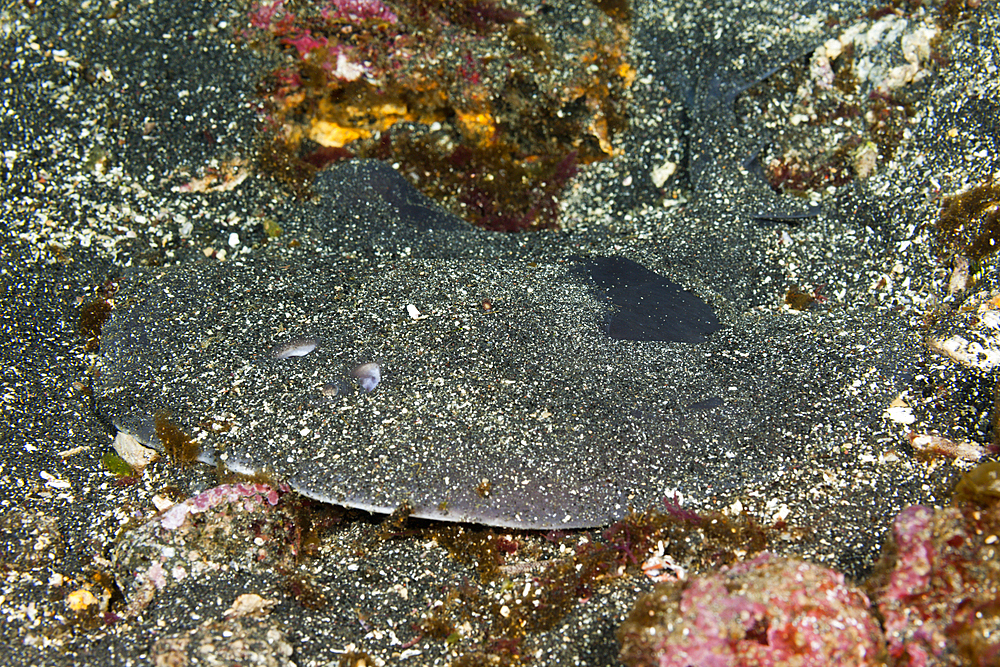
<point x="250" y="494"/>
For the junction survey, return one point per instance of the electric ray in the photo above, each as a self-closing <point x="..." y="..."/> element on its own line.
<point x="526" y="388"/>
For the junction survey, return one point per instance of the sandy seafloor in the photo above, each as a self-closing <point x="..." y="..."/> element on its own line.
<point x="103" y="104"/>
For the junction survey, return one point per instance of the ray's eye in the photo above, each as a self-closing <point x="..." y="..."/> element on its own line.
<point x="367" y="375"/>
<point x="298" y="347"/>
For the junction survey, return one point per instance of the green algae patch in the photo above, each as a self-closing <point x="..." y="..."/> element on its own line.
<point x="116" y="465"/>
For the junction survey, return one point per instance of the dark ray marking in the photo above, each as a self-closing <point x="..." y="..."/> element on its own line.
<point x="647" y="306"/>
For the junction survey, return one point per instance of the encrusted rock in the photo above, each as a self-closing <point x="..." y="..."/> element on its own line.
<point x="766" y="611"/>
<point x="200" y="536"/>
<point x="219" y="643"/>
<point x="941" y="579"/>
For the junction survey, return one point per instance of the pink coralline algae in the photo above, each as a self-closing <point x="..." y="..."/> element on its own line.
<point x="251" y="495"/>
<point x="359" y="10"/>
<point x="262" y="14"/>
<point x="766" y="611"/>
<point x="304" y="42"/>
<point x="276" y="19"/>
<point x="274" y="16"/>
<point x="940" y="583"/>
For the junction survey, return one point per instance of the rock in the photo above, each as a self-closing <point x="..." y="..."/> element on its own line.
<point x="766" y="611"/>
<point x="940" y="579"/>
<point x="219" y="644"/>
<point x="134" y="452"/>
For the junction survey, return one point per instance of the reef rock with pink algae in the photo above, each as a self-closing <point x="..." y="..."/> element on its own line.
<point x="766" y="611"/>
<point x="202" y="536"/>
<point x="940" y="596"/>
